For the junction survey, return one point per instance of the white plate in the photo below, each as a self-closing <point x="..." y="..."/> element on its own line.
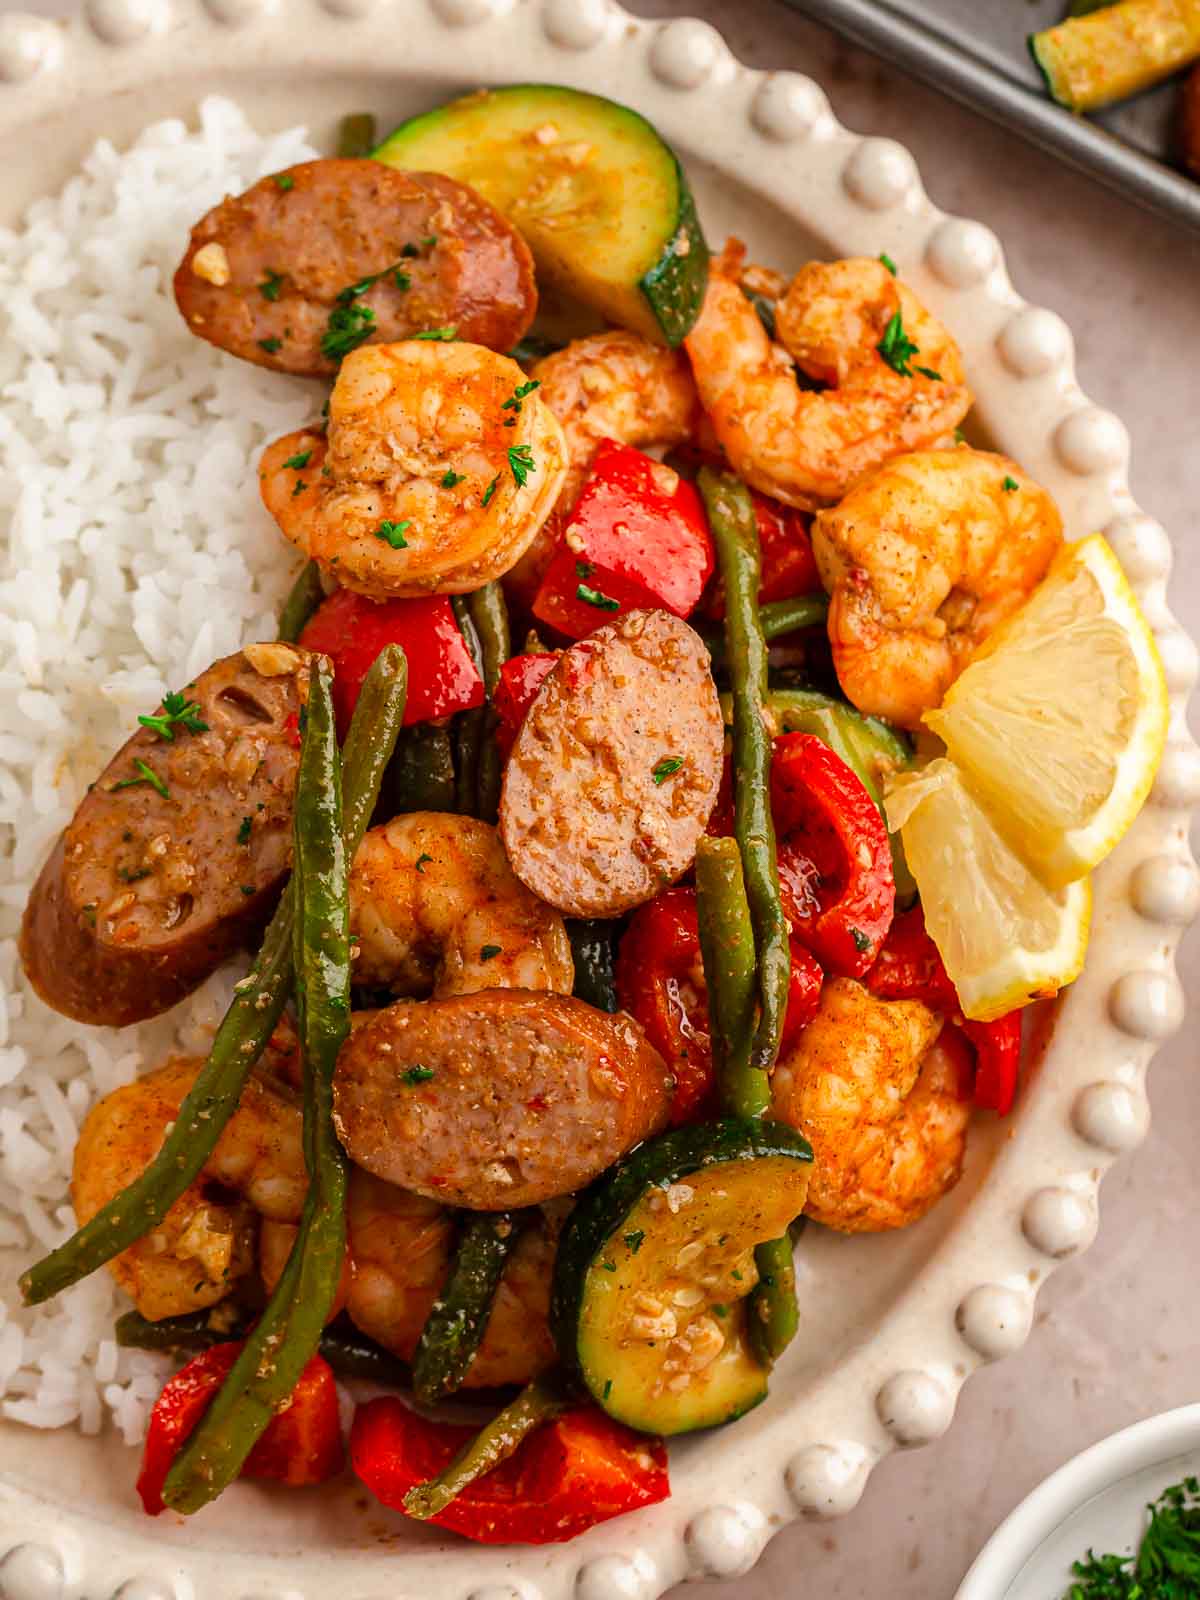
<point x="893" y="1325"/>
<point x="1097" y="1501"/>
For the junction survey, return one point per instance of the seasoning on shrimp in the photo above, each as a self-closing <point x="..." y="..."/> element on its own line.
<point x="852" y="328"/>
<point x="416" y="440"/>
<point x="923" y="560"/>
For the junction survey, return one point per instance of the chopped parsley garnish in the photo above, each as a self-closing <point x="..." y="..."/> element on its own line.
<point x="243" y="833"/>
<point x="1010" y="485"/>
<point x="450" y="478"/>
<point x="513" y="403"/>
<point x="132" y="874"/>
<point x="596" y="597"/>
<point x="896" y="348"/>
<point x="928" y="372"/>
<point x="348" y="295"/>
<point x="665" y="768"/>
<point x="177" y="712"/>
<point x="1167" y="1565"/>
<point x="607" y="1388"/>
<point x="521" y="463"/>
<point x="148" y="775"/>
<point x="736" y="1274"/>
<point x="270" y="286"/>
<point x="721" y="1311"/>
<point x="393" y="533"/>
<point x="284" y="181"/>
<point x="270" y="345"/>
<point x="298" y="487"/>
<point x="584" y="569"/>
<point x="634" y="1240"/>
<point x="421" y="860"/>
<point x="486" y="497"/>
<point x="959" y="436"/>
<point x="415" y="1075"/>
<point x="609" y="1266"/>
<point x="410" y="252"/>
<point x="298" y="461"/>
<point x="348" y="326"/>
<point x="861" y="940"/>
<point x="491" y="951"/>
<point x="247" y="888"/>
<point x="443" y="335"/>
<point x="888" y="262"/>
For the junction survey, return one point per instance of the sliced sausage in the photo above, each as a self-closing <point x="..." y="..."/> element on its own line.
<point x="499" y="1099"/>
<point x="266" y="270"/>
<point x="146" y="893"/>
<point x="616" y="767"/>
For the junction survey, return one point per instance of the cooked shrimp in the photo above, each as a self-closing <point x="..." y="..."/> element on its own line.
<point x="435" y="475"/>
<point x="275" y="1241"/>
<point x="401" y="1246"/>
<point x="923" y="560"/>
<point x="206" y="1240"/>
<point x="879" y="1098"/>
<point x="806" y="447"/>
<point x="612" y="385"/>
<point x="436" y="908"/>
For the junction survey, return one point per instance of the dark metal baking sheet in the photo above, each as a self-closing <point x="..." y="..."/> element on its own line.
<point x="976" y="51"/>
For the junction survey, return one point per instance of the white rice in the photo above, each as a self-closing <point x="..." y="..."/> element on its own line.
<point x="136" y="552"/>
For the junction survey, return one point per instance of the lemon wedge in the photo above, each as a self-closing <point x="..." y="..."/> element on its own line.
<point x="1059" y="722"/>
<point x="1004" y="937"/>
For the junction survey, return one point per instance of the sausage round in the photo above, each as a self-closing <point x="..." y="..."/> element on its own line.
<point x="496" y="1100"/>
<point x="144" y="894"/>
<point x="615" y="770"/>
<point x="264" y="270"/>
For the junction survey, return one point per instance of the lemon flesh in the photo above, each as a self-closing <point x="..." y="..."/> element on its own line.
<point x="1058" y="724"/>
<point x="1004" y="937"/>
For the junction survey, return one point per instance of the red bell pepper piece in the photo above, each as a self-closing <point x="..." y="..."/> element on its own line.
<point x="638" y="536"/>
<point x="660" y="981"/>
<point x="835" y="865"/>
<point x="520" y="679"/>
<point x="351" y="630"/>
<point x="301" y="1445"/>
<point x="910" y="968"/>
<point x="574" y="1472"/>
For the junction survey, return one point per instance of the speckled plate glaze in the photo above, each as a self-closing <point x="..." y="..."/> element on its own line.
<point x="892" y="1325"/>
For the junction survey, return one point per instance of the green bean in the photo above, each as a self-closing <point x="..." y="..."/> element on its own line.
<point x="356" y="135"/>
<point x="775" y="618"/>
<point x="421" y="776"/>
<point x="489" y="614"/>
<point x="773" y="1318"/>
<point x="592" y="952"/>
<point x="538" y="1402"/>
<point x="248" y="1024"/>
<point x="727" y="945"/>
<point x="350" y="1353"/>
<point x="285" y="1338"/>
<point x="735" y="534"/>
<point x="303" y="599"/>
<point x="458" y="1320"/>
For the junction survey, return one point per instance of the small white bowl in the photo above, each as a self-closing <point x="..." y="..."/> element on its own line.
<point x="1097" y="1501"/>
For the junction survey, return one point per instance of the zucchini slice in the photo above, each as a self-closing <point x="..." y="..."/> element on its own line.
<point x="1110" y="54"/>
<point x="654" y="1266"/>
<point x="455" y="1327"/>
<point x="601" y="200"/>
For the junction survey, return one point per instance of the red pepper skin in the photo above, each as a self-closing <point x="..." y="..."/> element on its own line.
<point x="660" y="981"/>
<point x="351" y="630"/>
<point x="835" y="866"/>
<point x="630" y="540"/>
<point x="910" y="968"/>
<point x="579" y="1470"/>
<point x="302" y="1444"/>
<point x="998" y="1057"/>
<point x="520" y="679"/>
